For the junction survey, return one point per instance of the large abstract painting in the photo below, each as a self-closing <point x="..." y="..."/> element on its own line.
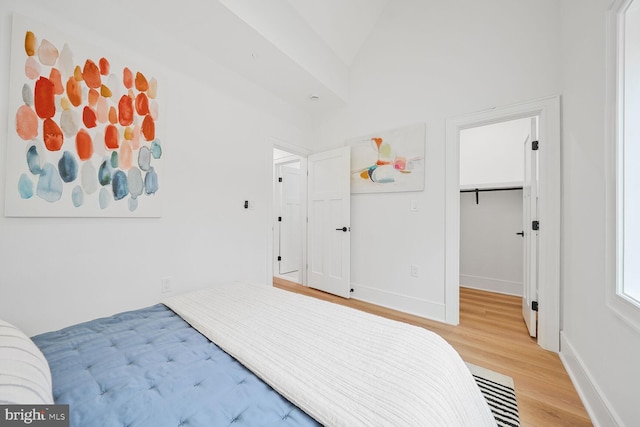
<point x="388" y="161"/>
<point x="84" y="129"/>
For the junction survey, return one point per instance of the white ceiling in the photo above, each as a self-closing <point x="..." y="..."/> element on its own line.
<point x="299" y="48"/>
<point x="343" y="24"/>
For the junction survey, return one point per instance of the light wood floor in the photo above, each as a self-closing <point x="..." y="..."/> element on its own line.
<point x="492" y="334"/>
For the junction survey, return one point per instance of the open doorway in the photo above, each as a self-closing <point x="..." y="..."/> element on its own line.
<point x="498" y="188"/>
<point x="289" y="202"/>
<point x="547" y="112"/>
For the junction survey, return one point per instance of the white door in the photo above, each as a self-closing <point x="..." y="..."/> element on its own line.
<point x="329" y="226"/>
<point x="529" y="219"/>
<point x="289" y="221"/>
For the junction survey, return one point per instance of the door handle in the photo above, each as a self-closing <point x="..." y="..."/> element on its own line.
<point x="521" y="233"/>
<point x="342" y="229"/>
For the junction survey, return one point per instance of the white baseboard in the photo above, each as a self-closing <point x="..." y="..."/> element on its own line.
<point x="416" y="306"/>
<point x="491" y="285"/>
<point x="594" y="401"/>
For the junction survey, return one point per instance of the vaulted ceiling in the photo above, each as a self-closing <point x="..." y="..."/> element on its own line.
<point x="300" y="48"/>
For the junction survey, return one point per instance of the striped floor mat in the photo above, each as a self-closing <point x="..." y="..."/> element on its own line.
<point x="500" y="393"/>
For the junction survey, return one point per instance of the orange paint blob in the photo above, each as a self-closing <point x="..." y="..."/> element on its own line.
<point x="56" y="79"/>
<point x="378" y="141"/>
<point x="104" y="66"/>
<point x="142" y="104"/>
<point x="53" y="137"/>
<point x="91" y="74"/>
<point x="111" y="140"/>
<point x="30" y="43"/>
<point x="64" y="103"/>
<point x="47" y="53"/>
<point x="44" y="98"/>
<point x="74" y="92"/>
<point x="89" y="117"/>
<point x="364" y="174"/>
<point x="84" y="145"/>
<point x="141" y="82"/>
<point x="102" y="110"/>
<point x="113" y="115"/>
<point x="125" y="111"/>
<point x="93" y="97"/>
<point x="128" y="133"/>
<point x="32" y="68"/>
<point x="127" y="78"/>
<point x="105" y="91"/>
<point x="125" y="159"/>
<point x="26" y="123"/>
<point x="148" y="128"/>
<point x="77" y="73"/>
<point x="152" y="92"/>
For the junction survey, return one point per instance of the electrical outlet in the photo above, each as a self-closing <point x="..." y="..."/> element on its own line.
<point x="415" y="271"/>
<point x="165" y="285"/>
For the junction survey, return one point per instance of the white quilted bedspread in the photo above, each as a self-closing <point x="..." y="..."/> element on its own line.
<point x="342" y="366"/>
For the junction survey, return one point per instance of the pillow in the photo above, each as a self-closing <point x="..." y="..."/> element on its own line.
<point x="25" y="377"/>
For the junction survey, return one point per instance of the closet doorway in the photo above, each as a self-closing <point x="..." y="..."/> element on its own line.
<point x="547" y="112"/>
<point x="498" y="200"/>
<point x="289" y="202"/>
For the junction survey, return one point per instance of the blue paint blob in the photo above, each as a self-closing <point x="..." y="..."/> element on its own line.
<point x="68" y="167"/>
<point x="156" y="149"/>
<point x="136" y="185"/>
<point x="49" y="184"/>
<point x="104" y="174"/>
<point x="151" y="182"/>
<point x="133" y="205"/>
<point x="114" y="159"/>
<point x="25" y="187"/>
<point x="120" y="186"/>
<point x="77" y="196"/>
<point x="104" y="198"/>
<point x="27" y="95"/>
<point x="144" y="158"/>
<point x="33" y="160"/>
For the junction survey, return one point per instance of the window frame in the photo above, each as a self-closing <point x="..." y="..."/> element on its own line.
<point x="622" y="305"/>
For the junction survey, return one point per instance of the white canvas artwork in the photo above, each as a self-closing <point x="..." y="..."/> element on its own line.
<point x="389" y="161"/>
<point x="84" y="134"/>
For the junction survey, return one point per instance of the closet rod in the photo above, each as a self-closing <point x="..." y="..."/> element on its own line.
<point x="478" y="190"/>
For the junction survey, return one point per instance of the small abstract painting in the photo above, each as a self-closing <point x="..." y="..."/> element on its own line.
<point x="388" y="161"/>
<point x="84" y="129"/>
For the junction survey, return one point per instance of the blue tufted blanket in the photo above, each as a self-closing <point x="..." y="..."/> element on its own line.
<point x="148" y="367"/>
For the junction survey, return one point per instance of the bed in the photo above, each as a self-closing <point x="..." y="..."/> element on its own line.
<point x="240" y="354"/>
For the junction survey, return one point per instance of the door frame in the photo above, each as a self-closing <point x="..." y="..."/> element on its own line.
<point x="548" y="111"/>
<point x="270" y="220"/>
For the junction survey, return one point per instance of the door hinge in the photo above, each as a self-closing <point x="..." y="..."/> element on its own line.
<point x="279" y="179"/>
<point x="534" y="145"/>
<point x="535" y="225"/>
<point x="534" y="305"/>
<point x="279" y="258"/>
<point x="279" y="219"/>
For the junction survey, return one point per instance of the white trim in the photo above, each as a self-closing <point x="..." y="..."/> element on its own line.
<point x="621" y="307"/>
<point x="593" y="399"/>
<point x="548" y="111"/>
<point x="490" y="284"/>
<point x="395" y="301"/>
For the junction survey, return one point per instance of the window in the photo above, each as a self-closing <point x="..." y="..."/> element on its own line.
<point x="623" y="229"/>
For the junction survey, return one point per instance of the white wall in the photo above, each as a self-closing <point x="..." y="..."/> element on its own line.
<point x="493" y="155"/>
<point x="601" y="349"/>
<point x="426" y="62"/>
<point x="57" y="271"/>
<point x="490" y="250"/>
